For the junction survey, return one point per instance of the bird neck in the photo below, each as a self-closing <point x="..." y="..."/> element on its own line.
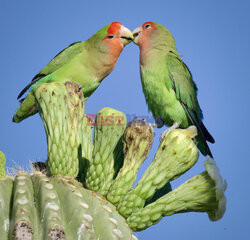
<point x="103" y="59"/>
<point x="151" y="55"/>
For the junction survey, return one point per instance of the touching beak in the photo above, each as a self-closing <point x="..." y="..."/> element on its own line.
<point x="126" y="35"/>
<point x="136" y="34"/>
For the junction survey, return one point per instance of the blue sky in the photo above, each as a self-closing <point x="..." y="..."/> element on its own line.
<point x="213" y="37"/>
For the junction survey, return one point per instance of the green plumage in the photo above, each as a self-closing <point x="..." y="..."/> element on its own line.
<point x="169" y="89"/>
<point x="86" y="63"/>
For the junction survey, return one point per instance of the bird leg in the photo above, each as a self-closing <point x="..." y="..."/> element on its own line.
<point x="174" y="126"/>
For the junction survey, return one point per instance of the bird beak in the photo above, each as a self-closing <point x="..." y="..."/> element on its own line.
<point x="136" y="34"/>
<point x="126" y="35"/>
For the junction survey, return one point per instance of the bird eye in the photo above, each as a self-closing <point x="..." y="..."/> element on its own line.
<point x="147" y="26"/>
<point x="110" y="36"/>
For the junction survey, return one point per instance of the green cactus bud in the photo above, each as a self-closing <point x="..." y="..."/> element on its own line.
<point x="2" y="164"/>
<point x="56" y="208"/>
<point x="86" y="148"/>
<point x="110" y="125"/>
<point x="61" y="108"/>
<point x="138" y="139"/>
<point x="176" y="154"/>
<point x="202" y="193"/>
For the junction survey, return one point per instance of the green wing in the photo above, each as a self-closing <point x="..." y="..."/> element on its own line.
<point x="186" y="92"/>
<point x="59" y="60"/>
<point x="182" y="83"/>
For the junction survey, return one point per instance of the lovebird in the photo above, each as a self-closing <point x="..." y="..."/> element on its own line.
<point x="86" y="62"/>
<point x="167" y="83"/>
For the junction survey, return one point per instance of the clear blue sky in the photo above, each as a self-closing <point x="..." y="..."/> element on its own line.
<point x="214" y="39"/>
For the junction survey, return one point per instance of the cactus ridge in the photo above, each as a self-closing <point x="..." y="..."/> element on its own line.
<point x="58" y="206"/>
<point x="85" y="189"/>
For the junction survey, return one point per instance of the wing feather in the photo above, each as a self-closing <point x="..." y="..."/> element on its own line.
<point x="59" y="60"/>
<point x="186" y="92"/>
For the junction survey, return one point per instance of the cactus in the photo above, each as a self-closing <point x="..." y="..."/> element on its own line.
<point x="2" y="164"/>
<point x="85" y="190"/>
<point x="57" y="208"/>
<point x="137" y="143"/>
<point x="62" y="113"/>
<point x="176" y="154"/>
<point x="202" y="193"/>
<point x="110" y="125"/>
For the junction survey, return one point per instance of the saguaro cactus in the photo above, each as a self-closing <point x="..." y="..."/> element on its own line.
<point x="101" y="202"/>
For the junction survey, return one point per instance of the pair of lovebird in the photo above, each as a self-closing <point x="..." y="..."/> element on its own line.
<point x="167" y="83"/>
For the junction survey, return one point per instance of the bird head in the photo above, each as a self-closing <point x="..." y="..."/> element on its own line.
<point x="111" y="39"/>
<point x="152" y="34"/>
<point x="117" y="35"/>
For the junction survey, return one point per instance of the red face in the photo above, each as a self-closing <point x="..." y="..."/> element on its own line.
<point x="142" y="33"/>
<point x="117" y="37"/>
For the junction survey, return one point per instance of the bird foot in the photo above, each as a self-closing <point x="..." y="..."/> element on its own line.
<point x="174" y="126"/>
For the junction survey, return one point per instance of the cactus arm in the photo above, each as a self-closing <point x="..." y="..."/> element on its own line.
<point x="110" y="125"/>
<point x="6" y="185"/>
<point x="138" y="139"/>
<point x="176" y="154"/>
<point x="61" y="108"/>
<point x="202" y="193"/>
<point x="49" y="208"/>
<point x="23" y="216"/>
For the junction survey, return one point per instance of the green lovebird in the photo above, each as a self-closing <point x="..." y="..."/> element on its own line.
<point x="167" y="83"/>
<point x="86" y="63"/>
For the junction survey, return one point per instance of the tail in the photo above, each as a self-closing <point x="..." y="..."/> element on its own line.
<point x="26" y="108"/>
<point x="203" y="134"/>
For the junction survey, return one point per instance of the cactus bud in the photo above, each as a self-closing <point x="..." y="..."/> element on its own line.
<point x="138" y="139"/>
<point x="176" y="154"/>
<point x="110" y="125"/>
<point x="202" y="193"/>
<point x="61" y="107"/>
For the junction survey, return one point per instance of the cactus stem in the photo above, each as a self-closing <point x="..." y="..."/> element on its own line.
<point x="61" y="107"/>
<point x="202" y="193"/>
